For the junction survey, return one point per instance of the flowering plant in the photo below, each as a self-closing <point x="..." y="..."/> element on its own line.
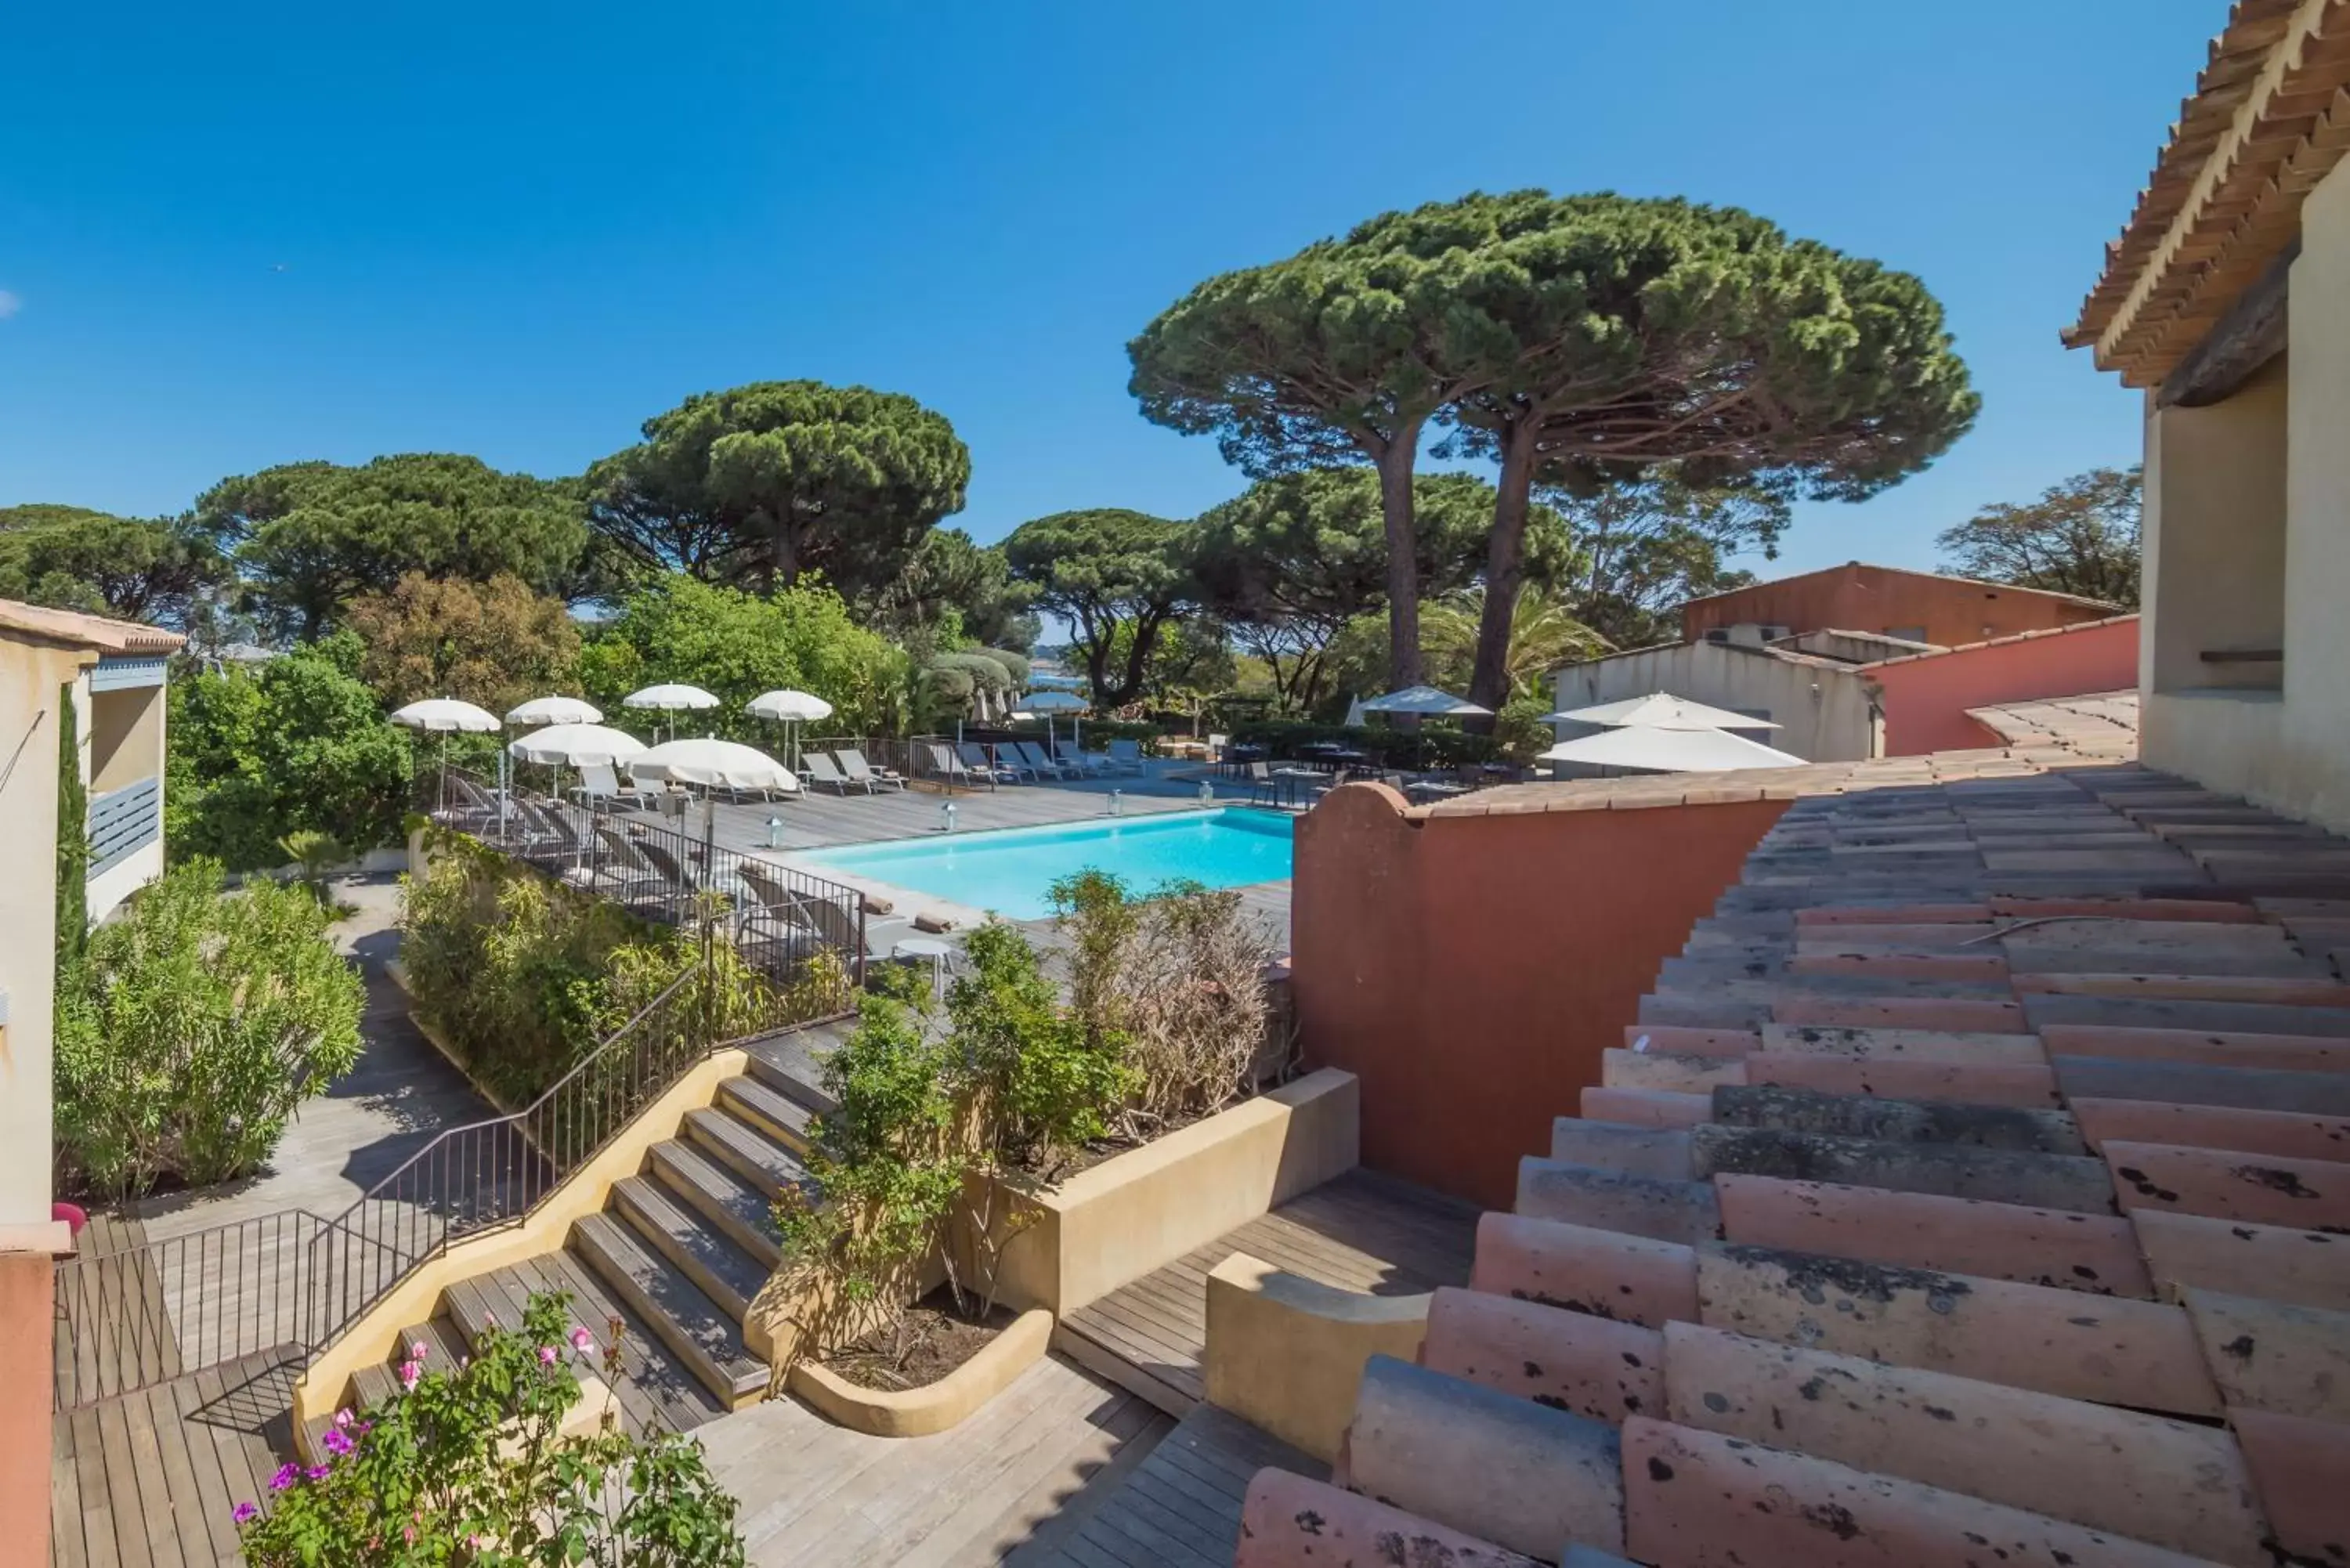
<point x="467" y="1466"/>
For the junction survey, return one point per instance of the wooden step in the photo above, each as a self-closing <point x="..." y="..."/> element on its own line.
<point x="768" y="1110"/>
<point x="757" y="1159"/>
<point x="742" y="1212"/>
<point x="695" y="1329"/>
<point x="784" y="1080"/>
<point x="727" y="1274"/>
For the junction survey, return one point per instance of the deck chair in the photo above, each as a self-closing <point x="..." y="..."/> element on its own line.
<point x="1007" y="760"/>
<point x="839" y="926"/>
<point x="945" y="765"/>
<point x="1092" y="763"/>
<point x="601" y="782"/>
<point x="822" y="770"/>
<point x="1126" y="756"/>
<point x="974" y="758"/>
<point x="619" y="870"/>
<point x="1039" y="763"/>
<point x="774" y="909"/>
<point x="853" y="764"/>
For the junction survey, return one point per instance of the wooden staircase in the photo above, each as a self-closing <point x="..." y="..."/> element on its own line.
<point x="674" y="1258"/>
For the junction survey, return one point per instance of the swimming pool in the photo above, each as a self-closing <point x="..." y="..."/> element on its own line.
<point x="1009" y="871"/>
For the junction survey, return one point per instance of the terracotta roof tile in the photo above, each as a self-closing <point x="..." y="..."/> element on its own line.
<point x="91" y="631"/>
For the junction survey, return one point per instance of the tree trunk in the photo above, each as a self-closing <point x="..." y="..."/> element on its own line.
<point x="1138" y="657"/>
<point x="1505" y="566"/>
<point x="1395" y="461"/>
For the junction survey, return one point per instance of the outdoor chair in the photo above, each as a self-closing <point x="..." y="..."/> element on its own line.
<point x="601" y="782"/>
<point x="840" y="927"/>
<point x="974" y="758"/>
<point x="1094" y="763"/>
<point x="950" y="767"/>
<point x="821" y="770"/>
<point x="618" y="869"/>
<point x="1126" y="757"/>
<point x="1216" y="744"/>
<point x="1041" y="765"/>
<point x="1263" y="788"/>
<point x="774" y="909"/>
<point x="1007" y="759"/>
<point x="854" y="764"/>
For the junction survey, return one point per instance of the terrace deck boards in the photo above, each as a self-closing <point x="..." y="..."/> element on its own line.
<point x="1361" y="1232"/>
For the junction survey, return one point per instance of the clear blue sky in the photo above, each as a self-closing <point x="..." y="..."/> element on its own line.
<point x="519" y="231"/>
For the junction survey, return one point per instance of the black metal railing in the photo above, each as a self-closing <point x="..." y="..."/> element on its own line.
<point x="156" y="1309"/>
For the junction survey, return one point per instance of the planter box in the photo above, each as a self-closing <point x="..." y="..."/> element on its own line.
<point x="935" y="1406"/>
<point x="1144" y="1209"/>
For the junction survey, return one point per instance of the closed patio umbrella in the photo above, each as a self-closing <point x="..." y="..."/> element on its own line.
<point x="1051" y="702"/>
<point x="1641" y="748"/>
<point x="1659" y="711"/>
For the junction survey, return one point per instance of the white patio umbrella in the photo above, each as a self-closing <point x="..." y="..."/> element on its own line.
<point x="1356" y="717"/>
<point x="672" y="697"/>
<point x="794" y="708"/>
<point x="1659" y="711"/>
<point x="556" y="711"/>
<point x="1637" y="748"/>
<point x="446" y="715"/>
<point x="1428" y="702"/>
<point x="1051" y="702"/>
<point x="713" y="763"/>
<point x="575" y="746"/>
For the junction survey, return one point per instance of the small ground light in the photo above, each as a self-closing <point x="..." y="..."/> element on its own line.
<point x="1118" y="803"/>
<point x="775" y="833"/>
<point x="1207" y="792"/>
<point x="946" y="817"/>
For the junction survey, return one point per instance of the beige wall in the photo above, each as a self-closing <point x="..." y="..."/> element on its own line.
<point x="2248" y="544"/>
<point x="126" y="737"/>
<point x="2215" y="511"/>
<point x="1823" y="711"/>
<point x="32" y="675"/>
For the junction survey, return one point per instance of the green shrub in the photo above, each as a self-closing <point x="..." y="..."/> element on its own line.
<point x="191" y="1027"/>
<point x="73" y="833"/>
<point x="523" y="976"/>
<point x="301" y="744"/>
<point x="467" y="1465"/>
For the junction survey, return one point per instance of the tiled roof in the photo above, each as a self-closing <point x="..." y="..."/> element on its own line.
<point x="88" y="631"/>
<point x="2016" y="588"/>
<point x="2033" y="636"/>
<point x="1974" y="1188"/>
<point x="2269" y="119"/>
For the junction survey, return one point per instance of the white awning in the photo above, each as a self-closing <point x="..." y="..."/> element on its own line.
<point x="1641" y="748"/>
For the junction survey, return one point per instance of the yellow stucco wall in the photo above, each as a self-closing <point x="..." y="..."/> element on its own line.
<point x="33" y="674"/>
<point x="2215" y="479"/>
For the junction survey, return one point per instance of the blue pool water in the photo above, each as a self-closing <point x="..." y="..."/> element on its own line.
<point x="1009" y="870"/>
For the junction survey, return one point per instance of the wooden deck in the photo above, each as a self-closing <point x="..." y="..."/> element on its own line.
<point x="1180" y="1505"/>
<point x="148" y="1479"/>
<point x="814" y="1495"/>
<point x="1361" y="1232"/>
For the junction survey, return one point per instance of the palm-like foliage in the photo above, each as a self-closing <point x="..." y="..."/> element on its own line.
<point x="1544" y="634"/>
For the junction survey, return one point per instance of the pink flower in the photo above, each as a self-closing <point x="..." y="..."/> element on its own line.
<point x="547" y="1355"/>
<point x="317" y="1473"/>
<point x="409" y="1373"/>
<point x="287" y="1476"/>
<point x="583" y="1342"/>
<point x="337" y="1441"/>
<point x="343" y="1417"/>
<point x="245" y="1513"/>
<point x="416" y="1351"/>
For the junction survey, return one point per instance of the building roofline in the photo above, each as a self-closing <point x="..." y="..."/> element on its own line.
<point x="1907" y="572"/>
<point x="91" y="631"/>
<point x="2078" y="626"/>
<point x="2268" y="119"/>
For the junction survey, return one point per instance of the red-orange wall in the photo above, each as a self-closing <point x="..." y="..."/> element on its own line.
<point x="1879" y="598"/>
<point x="25" y="1325"/>
<point x="1926" y="698"/>
<point x="1469" y="970"/>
